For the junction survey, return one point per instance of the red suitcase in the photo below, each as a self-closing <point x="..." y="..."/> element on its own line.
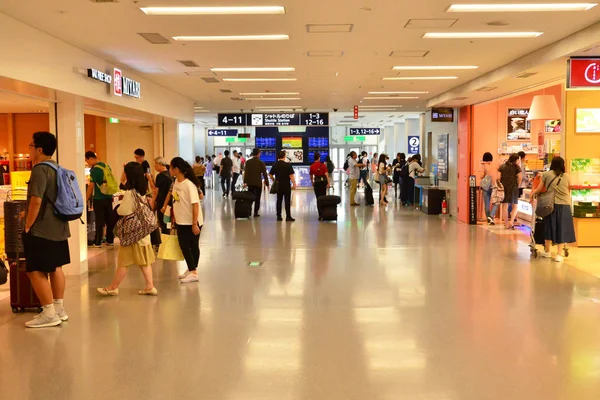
<point x="22" y="295"/>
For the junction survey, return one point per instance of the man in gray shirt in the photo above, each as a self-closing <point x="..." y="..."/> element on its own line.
<point x="45" y="235"/>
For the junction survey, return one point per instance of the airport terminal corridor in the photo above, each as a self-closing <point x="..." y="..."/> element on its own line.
<point x="384" y="304"/>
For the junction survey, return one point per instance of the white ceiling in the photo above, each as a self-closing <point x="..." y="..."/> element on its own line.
<point x="324" y="83"/>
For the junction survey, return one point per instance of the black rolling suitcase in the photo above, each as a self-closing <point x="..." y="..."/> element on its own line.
<point x="369" y="199"/>
<point x="328" y="206"/>
<point x="538" y="233"/>
<point x="243" y="204"/>
<point x="22" y="295"/>
<point x="91" y="227"/>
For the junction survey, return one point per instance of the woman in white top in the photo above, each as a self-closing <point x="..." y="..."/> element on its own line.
<point x="188" y="215"/>
<point x="139" y="253"/>
<point x="383" y="171"/>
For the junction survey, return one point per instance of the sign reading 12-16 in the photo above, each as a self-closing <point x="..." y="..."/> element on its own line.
<point x="583" y="72"/>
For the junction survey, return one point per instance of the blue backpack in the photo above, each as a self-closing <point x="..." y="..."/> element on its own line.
<point x="69" y="202"/>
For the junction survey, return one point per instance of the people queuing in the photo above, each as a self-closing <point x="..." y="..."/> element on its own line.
<point x="397" y="165"/>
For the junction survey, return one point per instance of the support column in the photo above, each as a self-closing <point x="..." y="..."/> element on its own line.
<point x="71" y="155"/>
<point x="171" y="145"/>
<point x="413" y="128"/>
<point x="400" y="137"/>
<point x="390" y="142"/>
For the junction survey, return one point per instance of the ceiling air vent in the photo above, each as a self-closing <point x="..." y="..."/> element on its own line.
<point x="459" y="98"/>
<point x="326" y="53"/>
<point x="526" y="75"/>
<point x="155" y="38"/>
<point x="237" y="99"/>
<point x="409" y="53"/>
<point x="486" y="89"/>
<point x="210" y="79"/>
<point x="329" y="28"/>
<point x="431" y="23"/>
<point x="188" y="63"/>
<point x="225" y="91"/>
<point x="104" y="1"/>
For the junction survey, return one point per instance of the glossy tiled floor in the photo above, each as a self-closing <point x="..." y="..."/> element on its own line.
<point x="382" y="305"/>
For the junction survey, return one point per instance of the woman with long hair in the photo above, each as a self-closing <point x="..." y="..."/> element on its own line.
<point x="383" y="171"/>
<point x="141" y="252"/>
<point x="397" y="166"/>
<point x="558" y="226"/>
<point x="188" y="215"/>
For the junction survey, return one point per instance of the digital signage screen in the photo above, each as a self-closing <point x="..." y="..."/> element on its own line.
<point x="311" y="155"/>
<point x="319" y="142"/>
<point x="291" y="142"/>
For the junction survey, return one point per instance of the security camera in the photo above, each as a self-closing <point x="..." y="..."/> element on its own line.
<point x="241" y="110"/>
<point x="305" y="109"/>
<point x="335" y="110"/>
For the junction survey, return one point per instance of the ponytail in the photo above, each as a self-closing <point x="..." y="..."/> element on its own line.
<point x="186" y="169"/>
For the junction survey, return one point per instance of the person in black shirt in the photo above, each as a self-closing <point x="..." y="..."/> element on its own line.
<point x="140" y="157"/>
<point x="397" y="166"/>
<point x="163" y="184"/>
<point x="226" y="173"/>
<point x="283" y="173"/>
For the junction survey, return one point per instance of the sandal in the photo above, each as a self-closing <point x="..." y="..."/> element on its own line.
<point x="105" y="292"/>
<point x="146" y="292"/>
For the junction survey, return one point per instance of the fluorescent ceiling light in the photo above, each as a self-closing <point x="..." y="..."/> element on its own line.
<point x="284" y="69"/>
<point x="432" y="67"/>
<point x="259" y="79"/>
<point x="286" y="107"/>
<point x="229" y="38"/>
<point x="417" y="78"/>
<point x="389" y="98"/>
<point x="523" y="7"/>
<point x="481" y="35"/>
<point x="272" y="98"/>
<point x="398" y="92"/>
<point x="271" y="94"/>
<point x="381" y="106"/>
<point x="213" y="10"/>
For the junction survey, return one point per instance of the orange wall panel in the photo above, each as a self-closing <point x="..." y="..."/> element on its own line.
<point x="25" y="125"/>
<point x="89" y="129"/>
<point x="4" y="127"/>
<point x="580" y="145"/>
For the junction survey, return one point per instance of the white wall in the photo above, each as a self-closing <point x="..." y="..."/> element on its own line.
<point x="122" y="140"/>
<point x="185" y="141"/>
<point x="33" y="56"/>
<point x="451" y="128"/>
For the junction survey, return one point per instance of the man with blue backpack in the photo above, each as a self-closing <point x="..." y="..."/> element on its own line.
<point x="103" y="185"/>
<point x="53" y="199"/>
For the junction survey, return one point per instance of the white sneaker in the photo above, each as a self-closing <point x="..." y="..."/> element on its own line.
<point x="184" y="275"/>
<point x="62" y="314"/>
<point x="43" y="320"/>
<point x="190" y="278"/>
<point x="545" y="254"/>
<point x="559" y="259"/>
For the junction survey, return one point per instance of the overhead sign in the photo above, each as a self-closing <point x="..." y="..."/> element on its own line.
<point x="222" y="132"/>
<point x="414" y="145"/>
<point x="118" y="82"/>
<point x="113" y="120"/>
<point x="365" y="131"/>
<point x="355" y="112"/>
<point x="99" y="75"/>
<point x="583" y="72"/>
<point x="354" y="138"/>
<point x="442" y="115"/>
<point x="274" y="119"/>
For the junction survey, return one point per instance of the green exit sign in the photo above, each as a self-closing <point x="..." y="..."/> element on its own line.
<point x="354" y="138"/>
<point x="360" y="138"/>
<point x="230" y="140"/>
<point x="113" y="120"/>
<point x="242" y="140"/>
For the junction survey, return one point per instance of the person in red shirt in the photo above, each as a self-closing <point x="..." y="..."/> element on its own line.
<point x="319" y="176"/>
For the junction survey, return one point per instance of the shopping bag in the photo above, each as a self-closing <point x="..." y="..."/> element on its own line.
<point x="169" y="249"/>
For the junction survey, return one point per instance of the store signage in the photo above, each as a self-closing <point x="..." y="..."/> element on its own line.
<point x="118" y="82"/>
<point x="99" y="75"/>
<point x="442" y="115"/>
<point x="274" y="119"/>
<point x="222" y="132"/>
<point x="355" y="112"/>
<point x="131" y="88"/>
<point x="365" y="131"/>
<point x="442" y="157"/>
<point x="414" y="145"/>
<point x="472" y="200"/>
<point x="583" y="72"/>
<point x="518" y="127"/>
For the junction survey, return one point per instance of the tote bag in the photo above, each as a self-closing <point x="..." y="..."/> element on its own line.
<point x="497" y="193"/>
<point x="169" y="249"/>
<point x="134" y="227"/>
<point x="545" y="202"/>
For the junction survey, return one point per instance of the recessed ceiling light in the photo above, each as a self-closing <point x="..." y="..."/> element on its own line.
<point x="229" y="38"/>
<point x="273" y="98"/>
<point x="389" y="98"/>
<point x="521" y="7"/>
<point x="481" y="35"/>
<point x="271" y="94"/>
<point x="417" y="78"/>
<point x="213" y="10"/>
<point x="275" y="69"/>
<point x="432" y="67"/>
<point x="259" y="79"/>
<point x="398" y="92"/>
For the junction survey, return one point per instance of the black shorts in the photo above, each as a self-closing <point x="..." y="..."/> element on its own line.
<point x="45" y="255"/>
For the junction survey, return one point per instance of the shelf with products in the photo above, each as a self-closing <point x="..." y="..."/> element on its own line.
<point x="585" y="197"/>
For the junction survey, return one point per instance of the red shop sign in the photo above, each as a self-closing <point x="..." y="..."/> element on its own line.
<point x="583" y="73"/>
<point x="118" y="82"/>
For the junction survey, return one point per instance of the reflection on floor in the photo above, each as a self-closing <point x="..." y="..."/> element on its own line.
<point x="384" y="304"/>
